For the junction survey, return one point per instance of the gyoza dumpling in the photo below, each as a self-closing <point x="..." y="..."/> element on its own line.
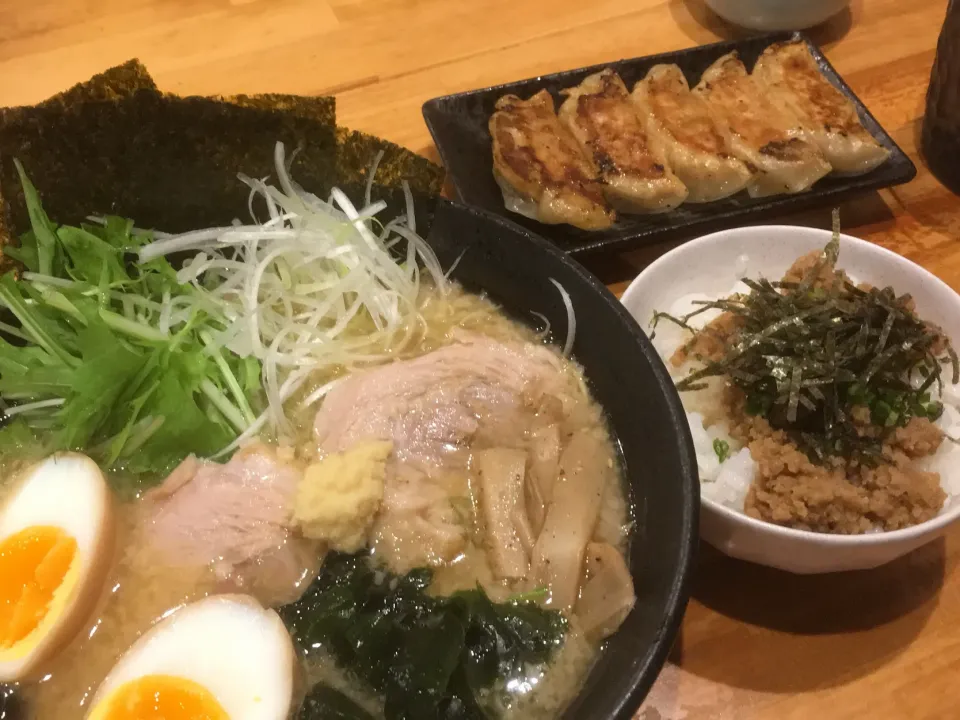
<point x="758" y="132"/>
<point x="599" y="114"/>
<point x="539" y="167"/>
<point x="679" y="122"/>
<point x="794" y="81"/>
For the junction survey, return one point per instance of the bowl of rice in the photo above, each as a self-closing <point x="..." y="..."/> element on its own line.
<point x="819" y="380"/>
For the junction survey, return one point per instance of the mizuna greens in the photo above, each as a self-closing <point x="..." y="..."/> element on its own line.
<point x="109" y="341"/>
<point x="92" y="360"/>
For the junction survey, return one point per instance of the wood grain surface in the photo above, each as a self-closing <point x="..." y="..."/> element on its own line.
<point x="756" y="644"/>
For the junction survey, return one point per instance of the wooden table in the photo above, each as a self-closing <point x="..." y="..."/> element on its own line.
<point x="756" y="644"/>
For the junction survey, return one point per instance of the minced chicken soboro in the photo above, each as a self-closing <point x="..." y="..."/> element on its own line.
<point x="837" y="493"/>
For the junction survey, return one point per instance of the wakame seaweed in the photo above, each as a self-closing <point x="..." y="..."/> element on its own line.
<point x="809" y="355"/>
<point x="326" y="703"/>
<point x="426" y="657"/>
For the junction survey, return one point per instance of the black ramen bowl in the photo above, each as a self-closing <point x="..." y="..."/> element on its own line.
<point x="511" y="264"/>
<point x="513" y="267"/>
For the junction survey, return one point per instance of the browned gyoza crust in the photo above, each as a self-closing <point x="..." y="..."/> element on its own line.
<point x="605" y="123"/>
<point x="791" y="76"/>
<point x="680" y="125"/>
<point x="540" y="168"/>
<point x="759" y="132"/>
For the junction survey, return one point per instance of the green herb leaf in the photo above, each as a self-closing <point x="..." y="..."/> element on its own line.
<point x="42" y="242"/>
<point x="89" y="340"/>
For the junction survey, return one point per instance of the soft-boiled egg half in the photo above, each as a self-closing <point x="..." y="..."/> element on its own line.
<point x="56" y="545"/>
<point x="221" y="658"/>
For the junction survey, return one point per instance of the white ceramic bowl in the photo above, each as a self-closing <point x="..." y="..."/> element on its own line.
<point x="772" y="15"/>
<point x="708" y="265"/>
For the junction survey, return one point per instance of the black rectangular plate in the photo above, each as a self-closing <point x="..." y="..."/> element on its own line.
<point x="458" y="124"/>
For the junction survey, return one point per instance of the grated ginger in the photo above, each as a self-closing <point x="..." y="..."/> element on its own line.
<point x="339" y="496"/>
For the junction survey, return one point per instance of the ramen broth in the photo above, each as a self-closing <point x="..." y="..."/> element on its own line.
<point x="143" y="588"/>
<point x="139" y="592"/>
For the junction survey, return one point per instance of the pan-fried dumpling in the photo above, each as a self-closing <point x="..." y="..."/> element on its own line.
<point x="679" y="122"/>
<point x="539" y="167"/>
<point x="759" y="132"/>
<point x="795" y="83"/>
<point x="599" y="114"/>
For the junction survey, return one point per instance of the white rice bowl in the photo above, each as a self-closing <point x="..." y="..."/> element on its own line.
<point x="712" y="267"/>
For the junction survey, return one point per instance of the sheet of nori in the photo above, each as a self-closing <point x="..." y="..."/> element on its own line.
<point x="116" y="144"/>
<point x="320" y="109"/>
<point x="170" y="163"/>
<point x="354" y="158"/>
<point x="111" y="84"/>
<point x="356" y="152"/>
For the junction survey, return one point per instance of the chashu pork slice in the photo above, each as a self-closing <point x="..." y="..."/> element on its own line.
<point x="235" y="519"/>
<point x="605" y="122"/>
<point x="679" y="122"/>
<point x="539" y="168"/>
<point x="759" y="132"/>
<point x="791" y="76"/>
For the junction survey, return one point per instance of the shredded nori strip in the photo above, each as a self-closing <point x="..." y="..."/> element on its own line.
<point x="807" y="354"/>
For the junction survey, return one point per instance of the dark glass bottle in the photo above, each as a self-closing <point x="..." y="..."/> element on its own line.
<point x="940" y="140"/>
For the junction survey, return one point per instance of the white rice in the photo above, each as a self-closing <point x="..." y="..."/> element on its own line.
<point x="727" y="483"/>
<point x="946" y="460"/>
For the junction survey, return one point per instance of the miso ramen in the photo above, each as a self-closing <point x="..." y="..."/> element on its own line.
<point x="299" y="475"/>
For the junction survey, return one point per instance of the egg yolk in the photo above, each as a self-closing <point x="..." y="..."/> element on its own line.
<point x="162" y="697"/>
<point x="33" y="563"/>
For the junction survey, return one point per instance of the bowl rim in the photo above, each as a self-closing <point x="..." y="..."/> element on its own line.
<point x="639" y="678"/>
<point x="889" y="537"/>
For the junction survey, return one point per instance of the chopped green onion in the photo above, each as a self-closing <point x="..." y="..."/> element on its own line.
<point x="722" y="449"/>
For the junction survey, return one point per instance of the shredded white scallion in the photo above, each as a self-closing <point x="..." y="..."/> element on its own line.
<point x="411" y="215"/>
<point x="453" y="266"/>
<point x="319" y="393"/>
<point x="571" y="318"/>
<point x="546" y="323"/>
<point x="368" y="190"/>
<point x="316" y="287"/>
<point x="30" y="407"/>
